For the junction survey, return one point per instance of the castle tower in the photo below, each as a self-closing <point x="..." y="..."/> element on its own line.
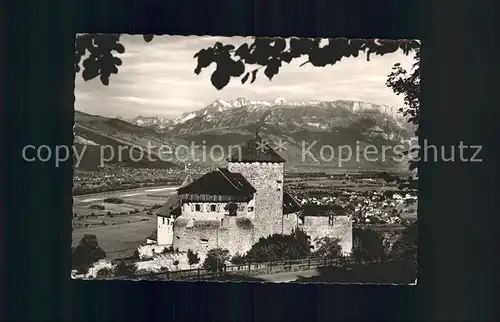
<point x="264" y="169"/>
<point x="166" y="217"/>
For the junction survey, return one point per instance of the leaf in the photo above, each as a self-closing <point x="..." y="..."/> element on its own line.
<point x="254" y="75"/>
<point x="89" y="73"/>
<point x="286" y="57"/>
<point x="120" y="49"/>
<point x="243" y="51"/>
<point x="105" y="80"/>
<point x="237" y="68"/>
<point x="245" y="78"/>
<point x="220" y="79"/>
<point x="117" y="61"/>
<point x="227" y="48"/>
<point x="272" y="68"/>
<point x="205" y="58"/>
<point x="279" y="44"/>
<point x="148" y="37"/>
<point x="300" y="46"/>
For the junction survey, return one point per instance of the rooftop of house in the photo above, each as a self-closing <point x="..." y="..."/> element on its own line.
<point x="219" y="182"/>
<point x="257" y="150"/>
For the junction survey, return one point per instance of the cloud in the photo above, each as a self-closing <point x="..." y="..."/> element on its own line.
<point x="158" y="78"/>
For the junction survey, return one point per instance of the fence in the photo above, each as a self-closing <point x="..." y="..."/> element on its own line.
<point x="251" y="269"/>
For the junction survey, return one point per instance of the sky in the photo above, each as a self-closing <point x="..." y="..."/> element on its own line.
<point x="158" y="79"/>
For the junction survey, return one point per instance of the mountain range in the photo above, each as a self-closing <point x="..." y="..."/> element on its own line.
<point x="298" y="124"/>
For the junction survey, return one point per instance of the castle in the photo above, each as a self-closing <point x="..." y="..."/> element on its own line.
<point x="234" y="207"/>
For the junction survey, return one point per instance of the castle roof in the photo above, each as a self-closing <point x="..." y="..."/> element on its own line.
<point x="257" y="150"/>
<point x="171" y="207"/>
<point x="220" y="182"/>
<point x="290" y="205"/>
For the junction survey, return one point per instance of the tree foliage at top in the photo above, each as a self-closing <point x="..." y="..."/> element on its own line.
<point x="99" y="52"/>
<point x="407" y="83"/>
<point x="271" y="54"/>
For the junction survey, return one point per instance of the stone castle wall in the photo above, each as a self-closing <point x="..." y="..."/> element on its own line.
<point x="205" y="213"/>
<point x="268" y="179"/>
<point x="290" y="222"/>
<point x="319" y="226"/>
<point x="234" y="234"/>
<point x="164" y="232"/>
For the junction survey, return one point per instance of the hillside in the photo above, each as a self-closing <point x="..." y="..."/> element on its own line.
<point x="297" y="124"/>
<point x="100" y="135"/>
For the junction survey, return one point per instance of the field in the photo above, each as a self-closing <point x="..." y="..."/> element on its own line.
<point x="118" y="241"/>
<point x="122" y="226"/>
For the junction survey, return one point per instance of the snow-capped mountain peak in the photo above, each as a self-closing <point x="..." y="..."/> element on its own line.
<point x="279" y="101"/>
<point x="280" y="111"/>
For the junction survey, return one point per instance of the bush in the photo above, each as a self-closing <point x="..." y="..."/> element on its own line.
<point x="114" y="200"/>
<point x="405" y="247"/>
<point x="216" y="259"/>
<point x="125" y="269"/>
<point x="277" y="246"/>
<point x="99" y="207"/>
<point x="104" y="273"/>
<point x="86" y="254"/>
<point x="238" y="259"/>
<point x="193" y="258"/>
<point x="368" y="245"/>
<point x="136" y="254"/>
<point x="328" y="247"/>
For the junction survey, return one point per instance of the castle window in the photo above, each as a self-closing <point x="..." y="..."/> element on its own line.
<point x="163" y="220"/>
<point x="231" y="208"/>
<point x="213" y="208"/>
<point x="250" y="209"/>
<point x="197" y="207"/>
<point x="330" y="220"/>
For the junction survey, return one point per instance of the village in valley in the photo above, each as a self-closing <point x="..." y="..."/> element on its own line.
<point x="268" y="213"/>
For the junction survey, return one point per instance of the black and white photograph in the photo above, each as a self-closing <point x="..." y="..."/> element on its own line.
<point x="245" y="159"/>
